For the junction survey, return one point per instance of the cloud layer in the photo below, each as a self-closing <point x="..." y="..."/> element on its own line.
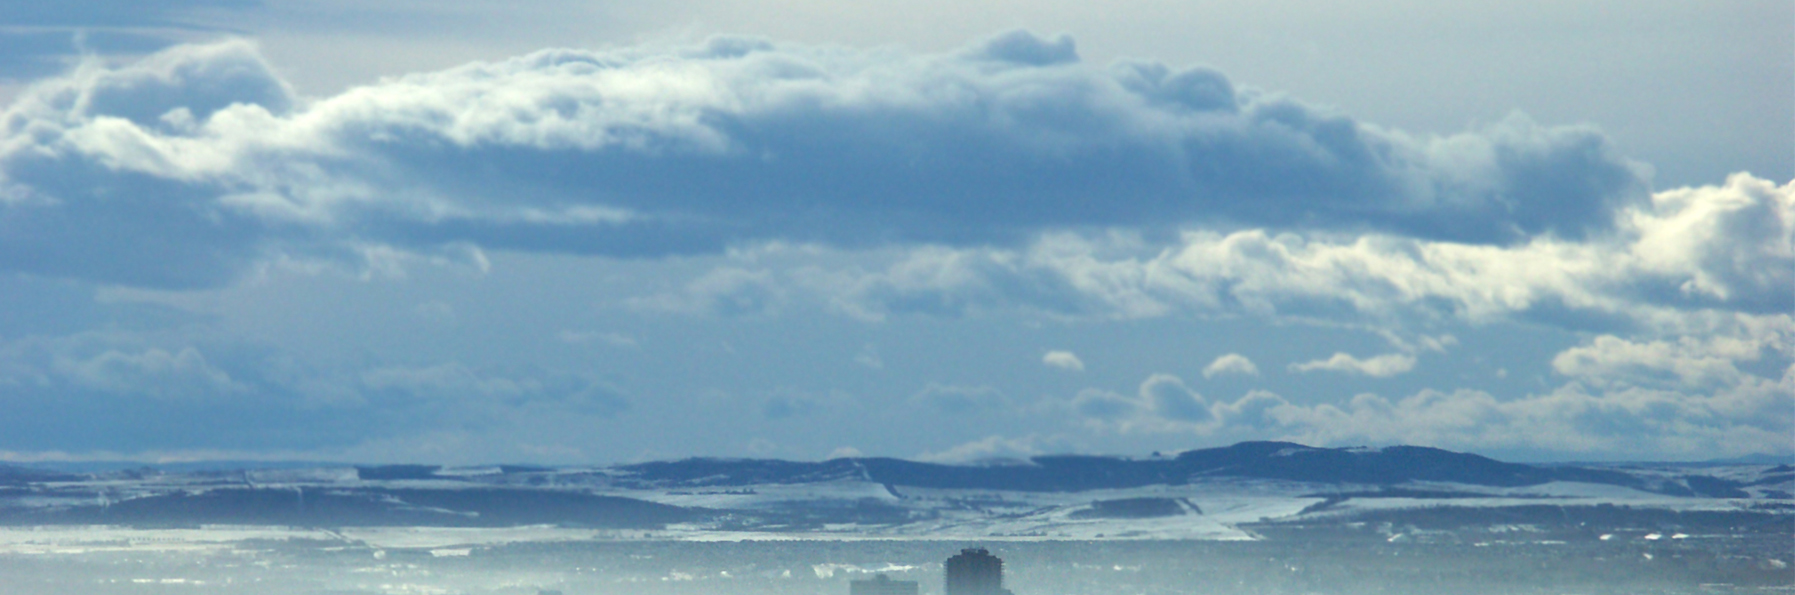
<point x="876" y="198"/>
<point x="189" y="166"/>
<point x="1690" y="260"/>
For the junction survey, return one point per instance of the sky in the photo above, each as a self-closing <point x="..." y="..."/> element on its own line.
<point x="465" y="232"/>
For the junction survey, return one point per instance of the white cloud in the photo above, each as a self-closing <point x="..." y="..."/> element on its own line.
<point x="1163" y="403"/>
<point x="1691" y="361"/>
<point x="1610" y="357"/>
<point x="1064" y="360"/>
<point x="1688" y="398"/>
<point x="182" y="374"/>
<point x="1632" y="276"/>
<point x="986" y="449"/>
<point x="1728" y="244"/>
<point x="724" y="292"/>
<point x="678" y="150"/>
<point x="1382" y="366"/>
<point x="1232" y="363"/>
<point x="1750" y="417"/>
<point x="770" y="180"/>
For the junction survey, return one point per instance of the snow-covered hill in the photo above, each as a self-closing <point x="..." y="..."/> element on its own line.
<point x="1247" y="491"/>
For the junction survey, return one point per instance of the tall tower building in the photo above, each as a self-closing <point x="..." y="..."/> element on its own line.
<point x="975" y="572"/>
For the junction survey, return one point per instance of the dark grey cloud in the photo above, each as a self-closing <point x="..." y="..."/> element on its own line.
<point x="184" y="168"/>
<point x="122" y="391"/>
<point x="960" y="400"/>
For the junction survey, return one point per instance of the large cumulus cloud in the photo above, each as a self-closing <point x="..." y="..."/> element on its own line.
<point x="1691" y="260"/>
<point x="189" y="166"/>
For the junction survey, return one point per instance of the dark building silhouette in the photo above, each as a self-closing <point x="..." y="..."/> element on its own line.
<point x="881" y="585"/>
<point x="975" y="572"/>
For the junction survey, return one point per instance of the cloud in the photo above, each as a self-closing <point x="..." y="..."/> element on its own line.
<point x="1669" y="266"/>
<point x="43" y="38"/>
<point x="1382" y="366"/>
<point x="1729" y="244"/>
<point x="1232" y="363"/>
<point x="459" y="388"/>
<point x="170" y="391"/>
<point x="724" y="292"/>
<point x="191" y="165"/>
<point x="1064" y="360"/>
<point x="1751" y="416"/>
<point x="1167" y="396"/>
<point x="1162" y="403"/>
<point x="183" y="374"/>
<point x="987" y="449"/>
<point x="1691" y="398"/>
<point x="1689" y="361"/>
<point x="953" y="399"/>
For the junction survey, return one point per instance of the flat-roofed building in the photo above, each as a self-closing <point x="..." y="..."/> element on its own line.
<point x="881" y="585"/>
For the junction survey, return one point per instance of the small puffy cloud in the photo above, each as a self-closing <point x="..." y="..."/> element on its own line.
<point x="1064" y="360"/>
<point x="1382" y="366"/>
<point x="1232" y="363"/>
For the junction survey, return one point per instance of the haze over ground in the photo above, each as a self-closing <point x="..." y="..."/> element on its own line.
<point x="377" y="231"/>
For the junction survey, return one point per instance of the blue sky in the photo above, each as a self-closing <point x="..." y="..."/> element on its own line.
<point x="457" y="232"/>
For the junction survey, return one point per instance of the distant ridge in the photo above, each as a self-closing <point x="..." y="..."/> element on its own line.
<point x="1754" y="459"/>
<point x="1062" y="495"/>
<point x="12" y="475"/>
<point x="1070" y="473"/>
<point x="1266" y="460"/>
